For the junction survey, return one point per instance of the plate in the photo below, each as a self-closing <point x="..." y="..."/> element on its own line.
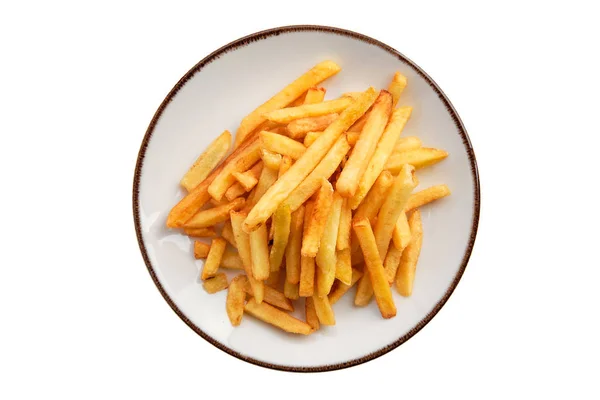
<point x="215" y="95"/>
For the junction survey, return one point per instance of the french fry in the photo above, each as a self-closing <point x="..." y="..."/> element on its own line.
<point x="340" y="290"/>
<point x="307" y="264"/>
<point x="236" y="190"/>
<point x="391" y="263"/>
<point x="374" y="267"/>
<point x="235" y="299"/>
<point x="227" y="233"/>
<point x="276" y="317"/>
<point x="299" y="128"/>
<point x="352" y="95"/>
<point x="282" y="144"/>
<point x="408" y="263"/>
<point x="273" y="297"/>
<point x="287" y="115"/>
<point x="305" y="164"/>
<point x="326" y="255"/>
<point x="360" y="157"/>
<point x="426" y="196"/>
<point x="216" y="283"/>
<point x="273" y="280"/>
<point x="259" y="252"/>
<point x="316" y="75"/>
<point x="323" y="170"/>
<point x="298" y="102"/>
<point x="207" y="161"/>
<point x="242" y="241"/>
<point x="318" y="219"/>
<point x="212" y="216"/>
<point x="270" y="160"/>
<point x="246" y="159"/>
<point x="200" y="232"/>
<point x="311" y="314"/>
<point x="290" y="290"/>
<point x="343" y="266"/>
<point x="407" y="143"/>
<point x="401" y="234"/>
<point x="324" y="280"/>
<point x="217" y="203"/>
<point x="418" y="158"/>
<point x="246" y="180"/>
<point x="311" y="137"/>
<point x="267" y="178"/>
<point x="359" y="125"/>
<point x="372" y="203"/>
<point x="286" y="163"/>
<point x="231" y="260"/>
<point x="392" y="207"/>
<point x="352" y="138"/>
<point x="201" y="249"/>
<point x="213" y="260"/>
<point x="292" y="251"/>
<point x="345" y="228"/>
<point x="323" y="310"/>
<point x="314" y="95"/>
<point x="282" y="220"/>
<point x="382" y="153"/>
<point x="397" y="86"/>
<point x="364" y="291"/>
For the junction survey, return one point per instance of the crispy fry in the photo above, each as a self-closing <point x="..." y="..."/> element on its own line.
<point x="201" y="249"/>
<point x="213" y="260"/>
<point x="270" y="160"/>
<point x="407" y="143"/>
<point x="372" y="203"/>
<point x="418" y="158"/>
<point x="390" y="265"/>
<point x="326" y="256"/>
<point x="364" y="291"/>
<point x="276" y="317"/>
<point x="324" y="170"/>
<point x="352" y="138"/>
<point x="408" y="263"/>
<point x="305" y="164"/>
<point x="318" y="219"/>
<point x="235" y="299"/>
<point x="307" y="264"/>
<point x="360" y="157"/>
<point x="287" y="115"/>
<point x="243" y="244"/>
<point x="207" y="161"/>
<point x="200" y="232"/>
<point x="397" y="86"/>
<point x="273" y="297"/>
<point x="282" y="145"/>
<point x="311" y="314"/>
<point x="314" y="95"/>
<point x="426" y="196"/>
<point x="267" y="178"/>
<point x="216" y="283"/>
<point x="259" y="251"/>
<point x="282" y="220"/>
<point x="392" y="207"/>
<point x="382" y="153"/>
<point x="246" y="180"/>
<point x="231" y="260"/>
<point x="292" y="252"/>
<point x="290" y="290"/>
<point x="343" y="266"/>
<point x="227" y="233"/>
<point x="212" y="216"/>
<point x="316" y="75"/>
<point x="236" y="190"/>
<point x="324" y="310"/>
<point x="299" y="128"/>
<point x="341" y="288"/>
<point x="311" y="137"/>
<point x="401" y="234"/>
<point x="343" y="239"/>
<point x="374" y="266"/>
<point x="286" y="163"/>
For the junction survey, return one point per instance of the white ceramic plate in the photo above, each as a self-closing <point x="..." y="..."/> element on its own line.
<point x="215" y="95"/>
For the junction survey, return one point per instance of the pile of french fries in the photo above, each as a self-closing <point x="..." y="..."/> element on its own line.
<point x="316" y="193"/>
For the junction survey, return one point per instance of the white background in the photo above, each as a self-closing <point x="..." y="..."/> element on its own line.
<point x="80" y="316"/>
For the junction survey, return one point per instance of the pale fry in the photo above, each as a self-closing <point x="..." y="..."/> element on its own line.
<point x="372" y="203"/>
<point x="259" y="251"/>
<point x="267" y="178"/>
<point x="200" y="232"/>
<point x="311" y="137"/>
<point x="213" y="260"/>
<point x="361" y="155"/>
<point x="391" y="263"/>
<point x="374" y="266"/>
<point x="323" y="310"/>
<point x="282" y="220"/>
<point x="305" y="164"/>
<point x="307" y="264"/>
<point x="235" y="299"/>
<point x="287" y="115"/>
<point x="243" y="244"/>
<point x="392" y="207"/>
<point x="276" y="317"/>
<point x="324" y="281"/>
<point x="324" y="170"/>
<point x="426" y="196"/>
<point x="326" y="256"/>
<point x="270" y="160"/>
<point x="318" y="219"/>
<point x="212" y="216"/>
<point x="273" y="297"/>
<point x="216" y="283"/>
<point x="407" y="143"/>
<point x="286" y="163"/>
<point x="227" y="233"/>
<point x="291" y="290"/>
<point x="299" y="128"/>
<point x="314" y="95"/>
<point x="207" y="161"/>
<point x="401" y="234"/>
<point x="340" y="290"/>
<point x="408" y="263"/>
<point x="246" y="180"/>
<point x="231" y="260"/>
<point x="201" y="249"/>
<point x="282" y="145"/>
<point x="345" y="228"/>
<point x="382" y="153"/>
<point x="311" y="314"/>
<point x="397" y="86"/>
<point x="313" y="77"/>
<point x="343" y="266"/>
<point x="292" y="251"/>
<point x="364" y="291"/>
<point x="418" y="158"/>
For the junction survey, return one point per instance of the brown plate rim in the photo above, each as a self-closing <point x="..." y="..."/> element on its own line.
<point x="261" y="36"/>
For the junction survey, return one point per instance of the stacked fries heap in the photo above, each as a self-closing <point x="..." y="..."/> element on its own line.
<point x="319" y="192"/>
